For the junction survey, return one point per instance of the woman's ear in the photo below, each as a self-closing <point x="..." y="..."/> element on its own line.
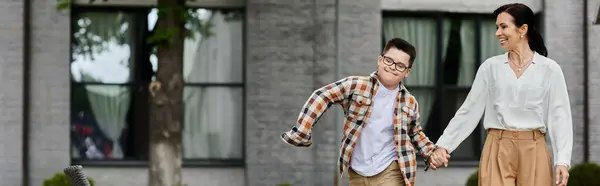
<point x="524" y="28"/>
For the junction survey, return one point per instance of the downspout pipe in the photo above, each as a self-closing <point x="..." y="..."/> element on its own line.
<point x="26" y="90"/>
<point x="586" y="77"/>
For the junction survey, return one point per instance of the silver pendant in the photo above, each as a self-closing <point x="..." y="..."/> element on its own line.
<point x="519" y="70"/>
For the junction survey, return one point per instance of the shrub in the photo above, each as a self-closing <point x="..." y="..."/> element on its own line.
<point x="473" y="179"/>
<point x="60" y="179"/>
<point x="585" y="174"/>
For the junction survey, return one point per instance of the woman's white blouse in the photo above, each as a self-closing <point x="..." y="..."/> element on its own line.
<point x="536" y="100"/>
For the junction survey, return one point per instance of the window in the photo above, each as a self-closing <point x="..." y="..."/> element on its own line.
<point x="450" y="48"/>
<point x="112" y="66"/>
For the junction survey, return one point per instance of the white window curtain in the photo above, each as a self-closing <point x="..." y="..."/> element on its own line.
<point x="110" y="105"/>
<point x="213" y="114"/>
<point x="104" y="55"/>
<point x="420" y="32"/>
<point x="467" y="57"/>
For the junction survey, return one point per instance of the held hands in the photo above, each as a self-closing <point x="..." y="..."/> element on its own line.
<point x="438" y="158"/>
<point x="562" y="172"/>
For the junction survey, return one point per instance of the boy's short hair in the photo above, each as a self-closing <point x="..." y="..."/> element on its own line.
<point x="403" y="45"/>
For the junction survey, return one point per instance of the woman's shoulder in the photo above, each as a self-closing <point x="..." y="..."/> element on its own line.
<point x="547" y="62"/>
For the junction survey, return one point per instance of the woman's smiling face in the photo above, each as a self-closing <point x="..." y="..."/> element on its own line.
<point x="507" y="32"/>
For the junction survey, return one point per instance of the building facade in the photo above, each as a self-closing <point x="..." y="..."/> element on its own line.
<point x="76" y="82"/>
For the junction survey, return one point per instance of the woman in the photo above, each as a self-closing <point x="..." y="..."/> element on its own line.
<point x="524" y="96"/>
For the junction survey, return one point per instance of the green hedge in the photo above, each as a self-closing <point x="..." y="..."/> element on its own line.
<point x="585" y="174"/>
<point x="60" y="179"/>
<point x="473" y="179"/>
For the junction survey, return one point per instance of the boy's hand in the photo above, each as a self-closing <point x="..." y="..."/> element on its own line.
<point x="438" y="158"/>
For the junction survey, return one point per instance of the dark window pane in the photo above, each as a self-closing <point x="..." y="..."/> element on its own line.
<point x="213" y="123"/>
<point x="459" y="52"/>
<point x="99" y="115"/>
<point x="470" y="147"/>
<point x="103" y="45"/>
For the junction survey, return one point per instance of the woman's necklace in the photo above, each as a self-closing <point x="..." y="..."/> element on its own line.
<point x="520" y="68"/>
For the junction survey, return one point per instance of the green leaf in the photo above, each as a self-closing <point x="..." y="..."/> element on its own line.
<point x="162" y="36"/>
<point x="63" y="4"/>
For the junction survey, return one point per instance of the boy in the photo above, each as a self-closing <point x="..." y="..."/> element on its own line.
<point x="381" y="128"/>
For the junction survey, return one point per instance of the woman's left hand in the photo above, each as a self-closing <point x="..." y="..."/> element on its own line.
<point x="438" y="158"/>
<point x="562" y="172"/>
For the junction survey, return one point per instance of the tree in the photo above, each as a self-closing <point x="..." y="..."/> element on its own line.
<point x="175" y="22"/>
<point x="166" y="94"/>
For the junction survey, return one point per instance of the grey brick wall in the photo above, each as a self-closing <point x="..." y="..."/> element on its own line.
<point x="564" y="38"/>
<point x="281" y="58"/>
<point x="50" y="90"/>
<point x="324" y="73"/>
<point x="360" y="36"/>
<point x="594" y="81"/>
<point x="11" y="99"/>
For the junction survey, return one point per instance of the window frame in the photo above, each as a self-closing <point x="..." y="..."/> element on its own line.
<point x="141" y="54"/>
<point x="440" y="87"/>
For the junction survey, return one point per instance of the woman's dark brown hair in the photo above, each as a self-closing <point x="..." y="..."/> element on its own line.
<point x="522" y="14"/>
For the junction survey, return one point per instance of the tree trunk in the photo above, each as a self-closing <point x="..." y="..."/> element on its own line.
<point x="165" y="100"/>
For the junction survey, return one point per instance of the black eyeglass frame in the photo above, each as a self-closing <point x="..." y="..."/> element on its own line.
<point x="398" y="65"/>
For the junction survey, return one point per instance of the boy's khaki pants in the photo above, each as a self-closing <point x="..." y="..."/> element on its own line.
<point x="390" y="176"/>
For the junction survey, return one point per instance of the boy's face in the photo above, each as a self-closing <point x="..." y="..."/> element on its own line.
<point x="393" y="66"/>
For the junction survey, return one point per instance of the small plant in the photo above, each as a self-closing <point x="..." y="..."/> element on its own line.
<point x="473" y="179"/>
<point x="60" y="179"/>
<point x="585" y="174"/>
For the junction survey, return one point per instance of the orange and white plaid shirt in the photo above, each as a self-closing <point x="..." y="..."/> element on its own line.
<point x="354" y="94"/>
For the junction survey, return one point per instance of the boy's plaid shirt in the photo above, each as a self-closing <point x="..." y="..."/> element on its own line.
<point x="354" y="94"/>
